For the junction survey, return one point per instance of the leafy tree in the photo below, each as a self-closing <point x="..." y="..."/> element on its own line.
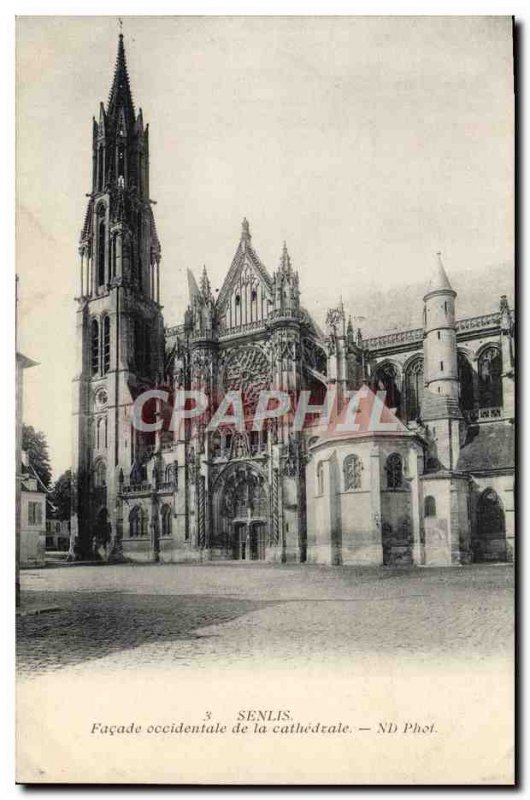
<point x="61" y="495"/>
<point x="35" y="444"/>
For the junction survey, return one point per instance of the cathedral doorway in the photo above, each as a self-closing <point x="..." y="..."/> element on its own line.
<point x="249" y="541"/>
<point x="489" y="540"/>
<point x="241" y="510"/>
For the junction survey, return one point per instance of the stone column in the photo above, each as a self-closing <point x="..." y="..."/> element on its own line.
<point x="375" y="505"/>
<point x="509" y="521"/>
<point x="417" y="555"/>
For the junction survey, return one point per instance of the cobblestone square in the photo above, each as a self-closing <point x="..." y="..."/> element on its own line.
<point x="126" y="617"/>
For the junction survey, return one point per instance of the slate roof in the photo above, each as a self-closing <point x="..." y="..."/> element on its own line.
<point x="488" y="447"/>
<point x="439" y="282"/>
<point x="438" y="406"/>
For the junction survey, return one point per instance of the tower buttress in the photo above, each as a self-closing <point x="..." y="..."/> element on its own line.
<point x="440" y="351"/>
<point x="440" y="408"/>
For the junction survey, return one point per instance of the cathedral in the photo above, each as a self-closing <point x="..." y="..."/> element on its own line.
<point x="433" y="489"/>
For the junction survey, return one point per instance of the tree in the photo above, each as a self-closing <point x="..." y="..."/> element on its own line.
<point x="35" y="444"/>
<point x="61" y="495"/>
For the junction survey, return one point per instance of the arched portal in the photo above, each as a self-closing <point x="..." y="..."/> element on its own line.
<point x="241" y="508"/>
<point x="489" y="540"/>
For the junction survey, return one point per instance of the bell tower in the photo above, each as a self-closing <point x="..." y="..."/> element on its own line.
<point x="120" y="334"/>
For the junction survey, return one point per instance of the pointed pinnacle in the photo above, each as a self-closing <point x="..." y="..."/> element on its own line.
<point x="245" y="230"/>
<point x="285" y="260"/>
<point x="205" y="283"/>
<point x="120" y="88"/>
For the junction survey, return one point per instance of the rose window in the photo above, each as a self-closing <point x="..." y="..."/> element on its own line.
<point x="247" y="371"/>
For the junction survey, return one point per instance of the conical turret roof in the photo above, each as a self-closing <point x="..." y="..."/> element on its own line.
<point x="439" y="282"/>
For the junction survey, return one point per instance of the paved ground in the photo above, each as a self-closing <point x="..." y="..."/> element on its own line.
<point x="125" y="616"/>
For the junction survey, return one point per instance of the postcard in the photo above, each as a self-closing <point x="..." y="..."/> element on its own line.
<point x="265" y="516"/>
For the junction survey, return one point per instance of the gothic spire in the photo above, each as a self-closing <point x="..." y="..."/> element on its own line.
<point x="192" y="286"/>
<point x="285" y="260"/>
<point x="245" y="231"/>
<point x="120" y="94"/>
<point x="205" y="283"/>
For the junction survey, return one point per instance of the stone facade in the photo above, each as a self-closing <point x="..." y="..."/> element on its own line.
<point x="437" y="490"/>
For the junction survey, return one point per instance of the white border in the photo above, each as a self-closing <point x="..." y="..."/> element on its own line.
<point x="7" y="237"/>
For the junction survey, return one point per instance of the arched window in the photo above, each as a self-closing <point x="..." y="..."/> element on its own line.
<point x="352" y="468"/>
<point x="386" y="379"/>
<point x="465" y="378"/>
<point x="100" y="168"/>
<point x="320" y="478"/>
<point x="94" y="347"/>
<point x="113" y="250"/>
<point x="100" y="433"/>
<point x="133" y="522"/>
<point x="170" y="473"/>
<point x="490" y="380"/>
<point x="167" y="515"/>
<point x="394" y="471"/>
<point x="106" y="345"/>
<point x="137" y="522"/>
<point x="414" y="389"/>
<point x="120" y="157"/>
<point x="100" y="475"/>
<point x="101" y="245"/>
<point x="430" y="506"/>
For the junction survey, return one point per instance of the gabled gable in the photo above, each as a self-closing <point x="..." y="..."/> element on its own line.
<point x="246" y="295"/>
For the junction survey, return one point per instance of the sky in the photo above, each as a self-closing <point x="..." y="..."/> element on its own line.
<point x="367" y="143"/>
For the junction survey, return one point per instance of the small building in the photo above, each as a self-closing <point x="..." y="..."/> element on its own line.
<point x="57" y="534"/>
<point x="32" y="518"/>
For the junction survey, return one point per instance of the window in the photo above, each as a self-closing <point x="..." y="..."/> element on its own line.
<point x="100" y="168"/>
<point x="101" y="433"/>
<point x="167" y="514"/>
<point x="490" y="378"/>
<point x="137" y="522"/>
<point x="100" y="475"/>
<point x="113" y="250"/>
<point x="465" y="378"/>
<point x="253" y="295"/>
<point x="34" y="513"/>
<point x="430" y="506"/>
<point x="352" y="468"/>
<point x="320" y="478"/>
<point x="101" y="244"/>
<point x="386" y="379"/>
<point x="441" y="366"/>
<point x="121" y="160"/>
<point x="106" y="345"/>
<point x="170" y="474"/>
<point x="94" y="347"/>
<point x="394" y="471"/>
<point x="414" y="382"/>
<point x="238" y="299"/>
